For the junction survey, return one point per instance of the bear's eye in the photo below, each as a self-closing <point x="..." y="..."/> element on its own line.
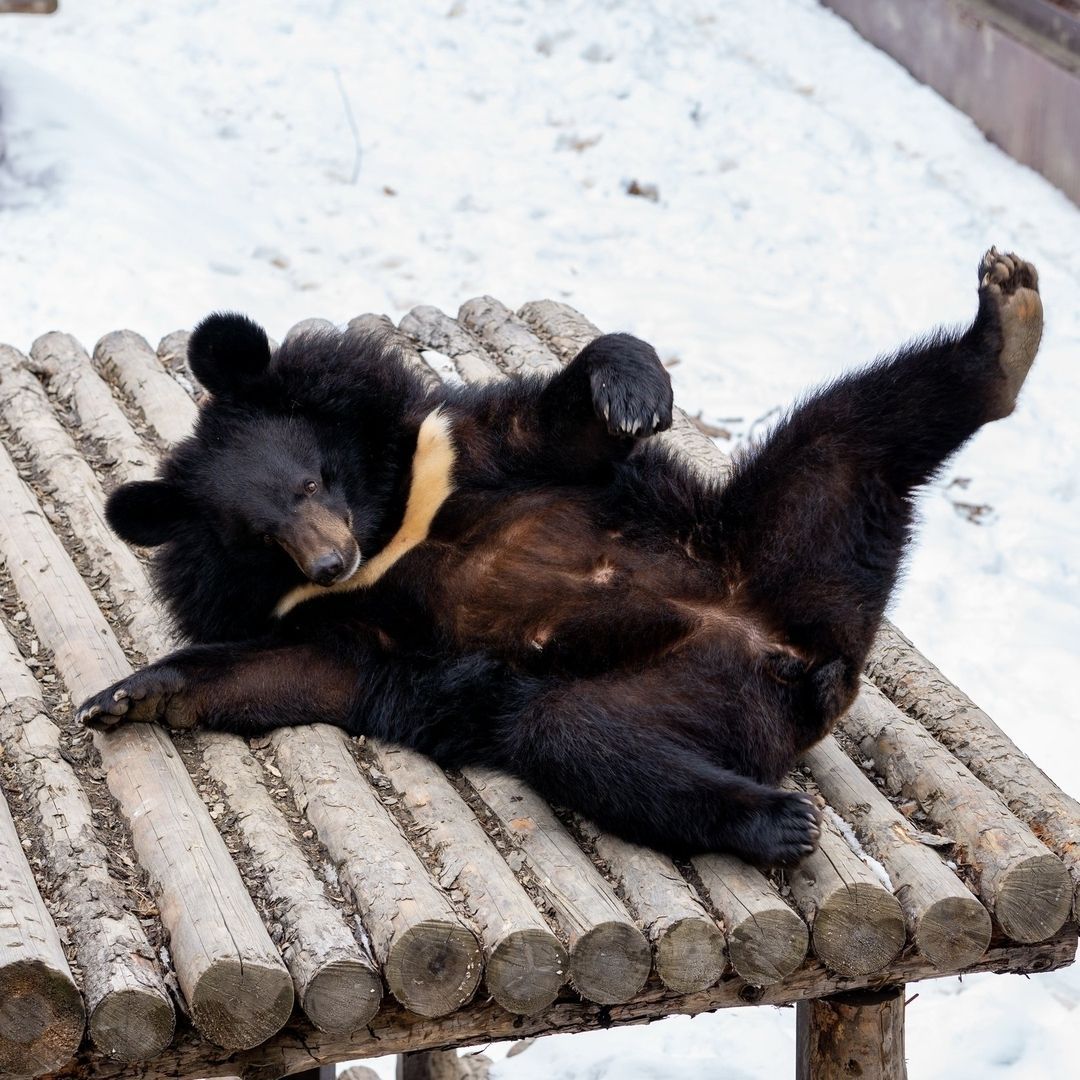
<point x="311" y="486"/>
<point x="267" y="539"/>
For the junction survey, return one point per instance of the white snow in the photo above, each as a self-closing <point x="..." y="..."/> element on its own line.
<point x="816" y="206"/>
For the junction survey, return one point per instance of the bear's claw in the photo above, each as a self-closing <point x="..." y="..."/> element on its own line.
<point x="153" y="694"/>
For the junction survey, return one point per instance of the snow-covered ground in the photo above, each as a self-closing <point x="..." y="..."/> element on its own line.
<point x="816" y="206"/>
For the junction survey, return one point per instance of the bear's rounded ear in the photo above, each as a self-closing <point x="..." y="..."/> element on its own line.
<point x="148" y="512"/>
<point x="227" y="351"/>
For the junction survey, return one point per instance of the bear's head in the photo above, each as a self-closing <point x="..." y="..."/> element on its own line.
<point x="290" y="474"/>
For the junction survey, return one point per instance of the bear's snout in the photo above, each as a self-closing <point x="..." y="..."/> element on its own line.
<point x="326" y="569"/>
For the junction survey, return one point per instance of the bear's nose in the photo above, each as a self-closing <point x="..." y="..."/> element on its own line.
<point x="326" y="568"/>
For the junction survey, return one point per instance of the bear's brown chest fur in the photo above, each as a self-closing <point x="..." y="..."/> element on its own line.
<point x="537" y="578"/>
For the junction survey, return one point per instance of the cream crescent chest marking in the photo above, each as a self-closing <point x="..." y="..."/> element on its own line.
<point x="430" y="486"/>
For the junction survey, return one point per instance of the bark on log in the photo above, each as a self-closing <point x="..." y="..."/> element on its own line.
<point x="526" y="964"/>
<point x="609" y="956"/>
<point x="333" y="977"/>
<point x="431" y="960"/>
<point x="338" y="985"/>
<point x="235" y="984"/>
<point x="516" y="347"/>
<point x="1024" y="886"/>
<point x="442" y="1065"/>
<point x="130" y="1013"/>
<point x="70" y="480"/>
<point x="125" y="359"/>
<point x="766" y="940"/>
<point x="688" y="947"/>
<point x="432" y="329"/>
<point x="381" y="326"/>
<point x="394" y="1030"/>
<point x="172" y="352"/>
<point x="860" y="1033"/>
<point x="41" y="1012"/>
<point x="920" y="689"/>
<point x="948" y="924"/>
<point x="64" y="366"/>
<point x="856" y="924"/>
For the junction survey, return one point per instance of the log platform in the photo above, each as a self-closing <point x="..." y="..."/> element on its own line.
<point x="197" y="906"/>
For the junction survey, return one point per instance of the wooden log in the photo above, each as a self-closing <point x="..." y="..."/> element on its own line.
<point x="64" y="367"/>
<point x="394" y="1030"/>
<point x="525" y="963"/>
<point x="517" y="349"/>
<point x="859" y="1033"/>
<point x="130" y="1012"/>
<point x="688" y="946"/>
<point x="41" y="1012"/>
<point x="609" y="956"/>
<point x="856" y="924"/>
<point x="337" y="982"/>
<point x="238" y="991"/>
<point x="431" y="959"/>
<point x="70" y="480"/>
<point x="920" y="689"/>
<point x="125" y="359"/>
<point x="27" y="7"/>
<point x="1025" y="888"/>
<point x="172" y="352"/>
<point x="947" y="923"/>
<point x="381" y="326"/>
<point x="308" y="326"/>
<point x="766" y="940"/>
<point x="432" y="329"/>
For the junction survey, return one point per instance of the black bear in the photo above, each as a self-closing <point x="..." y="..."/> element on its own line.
<point x="515" y="575"/>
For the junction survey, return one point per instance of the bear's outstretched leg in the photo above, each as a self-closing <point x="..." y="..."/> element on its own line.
<point x="813" y="524"/>
<point x="598" y="747"/>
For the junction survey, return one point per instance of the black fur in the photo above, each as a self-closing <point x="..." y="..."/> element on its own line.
<point x="636" y="642"/>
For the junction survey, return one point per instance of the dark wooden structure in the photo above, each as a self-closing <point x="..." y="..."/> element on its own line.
<point x="310" y="898"/>
<point x="1012" y="65"/>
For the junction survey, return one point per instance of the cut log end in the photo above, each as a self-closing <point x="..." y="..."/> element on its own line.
<point x="769" y="947"/>
<point x="342" y="997"/>
<point x="41" y="1019"/>
<point x="526" y="970"/>
<point x="610" y="963"/>
<point x="434" y="967"/>
<point x="859" y="929"/>
<point x="239" y="1005"/>
<point x="954" y="932"/>
<point x="690" y="956"/>
<point x="132" y="1025"/>
<point x="1033" y="898"/>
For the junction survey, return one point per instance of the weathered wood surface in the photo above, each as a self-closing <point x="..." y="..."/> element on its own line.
<point x="432" y="329"/>
<point x="526" y="964"/>
<point x="431" y="959"/>
<point x="27" y="7"/>
<point x="860" y="1033"/>
<point x="688" y="946"/>
<point x="300" y="1047"/>
<point x="856" y="924"/>
<point x="382" y="327"/>
<point x="129" y="1009"/>
<point x="920" y="689"/>
<point x="41" y="1012"/>
<point x="232" y="977"/>
<point x="609" y="956"/>
<point x="766" y="939"/>
<point x="946" y="922"/>
<point x="1023" y="885"/>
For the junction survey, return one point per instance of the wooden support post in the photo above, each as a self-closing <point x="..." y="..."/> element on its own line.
<point x="323" y="1072"/>
<point x="442" y="1065"/>
<point x="858" y="1033"/>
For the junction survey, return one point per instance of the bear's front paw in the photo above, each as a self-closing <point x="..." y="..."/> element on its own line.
<point x="784" y="832"/>
<point x="631" y="391"/>
<point x="154" y="694"/>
